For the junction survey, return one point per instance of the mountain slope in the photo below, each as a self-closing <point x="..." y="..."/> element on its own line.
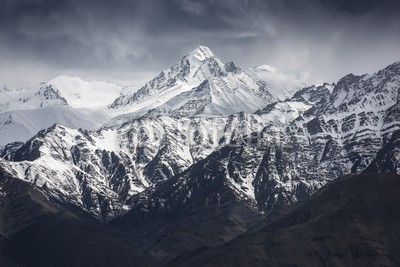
<point x="282" y="153"/>
<point x="66" y="100"/>
<point x="82" y="94"/>
<point x="192" y="69"/>
<point x="200" y="84"/>
<point x="36" y="231"/>
<point x="181" y="174"/>
<point x="197" y="208"/>
<point x="21" y="125"/>
<point x="330" y="140"/>
<point x="352" y="221"/>
<point x="100" y="170"/>
<point x="62" y="90"/>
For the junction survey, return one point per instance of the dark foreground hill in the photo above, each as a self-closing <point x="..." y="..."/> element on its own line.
<point x="37" y="232"/>
<point x="353" y="221"/>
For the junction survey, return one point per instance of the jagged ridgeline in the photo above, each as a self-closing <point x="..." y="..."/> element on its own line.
<point x="159" y="130"/>
<point x="204" y="145"/>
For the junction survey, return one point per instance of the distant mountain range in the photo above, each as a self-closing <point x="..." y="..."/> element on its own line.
<point x="200" y="84"/>
<point x="198" y="155"/>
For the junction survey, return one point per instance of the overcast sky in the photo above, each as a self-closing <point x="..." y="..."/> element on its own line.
<point x="130" y="41"/>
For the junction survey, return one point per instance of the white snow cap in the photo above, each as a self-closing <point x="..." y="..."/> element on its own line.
<point x="202" y="53"/>
<point x="83" y="94"/>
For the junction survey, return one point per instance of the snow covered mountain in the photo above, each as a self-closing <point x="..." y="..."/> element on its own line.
<point x="63" y="90"/>
<point x="66" y="100"/>
<point x="21" y="125"/>
<point x="82" y="94"/>
<point x="279" y="165"/>
<point x="30" y="98"/>
<point x="100" y="171"/>
<point x="330" y="140"/>
<point x="217" y="133"/>
<point x="200" y="84"/>
<point x="117" y="163"/>
<point x="277" y="155"/>
<point x="204" y="143"/>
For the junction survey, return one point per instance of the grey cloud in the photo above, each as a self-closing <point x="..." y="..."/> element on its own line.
<point x="312" y="39"/>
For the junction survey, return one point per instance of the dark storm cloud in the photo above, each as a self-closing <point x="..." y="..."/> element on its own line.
<point x="313" y="39"/>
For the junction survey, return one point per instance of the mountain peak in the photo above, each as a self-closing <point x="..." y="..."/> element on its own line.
<point x="84" y="94"/>
<point x="202" y="53"/>
<point x="394" y="67"/>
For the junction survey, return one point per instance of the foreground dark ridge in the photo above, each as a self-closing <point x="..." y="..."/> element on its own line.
<point x="353" y="221"/>
<point x="37" y="232"/>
